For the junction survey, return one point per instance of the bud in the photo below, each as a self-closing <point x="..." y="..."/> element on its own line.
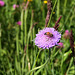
<point x="66" y="34"/>
<point x="60" y="45"/>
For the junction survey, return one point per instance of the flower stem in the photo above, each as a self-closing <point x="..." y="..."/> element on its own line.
<point x="49" y="52"/>
<point x="0" y="38"/>
<point x="35" y="61"/>
<point x="52" y="13"/>
<point x="38" y="67"/>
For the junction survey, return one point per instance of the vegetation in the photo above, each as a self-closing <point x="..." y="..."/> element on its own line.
<point x="18" y="53"/>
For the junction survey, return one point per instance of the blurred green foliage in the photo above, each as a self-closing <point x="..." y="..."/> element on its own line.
<point x="18" y="53"/>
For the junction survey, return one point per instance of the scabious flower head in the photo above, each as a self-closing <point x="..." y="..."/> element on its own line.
<point x="1" y="3"/>
<point x="60" y="45"/>
<point x="15" y="6"/>
<point x="45" y="41"/>
<point x="19" y="22"/>
<point x="66" y="34"/>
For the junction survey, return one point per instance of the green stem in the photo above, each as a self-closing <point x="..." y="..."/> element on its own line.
<point x="17" y="43"/>
<point x="0" y="38"/>
<point x="42" y="66"/>
<point x="45" y="60"/>
<point x="62" y="55"/>
<point x="17" y="64"/>
<point x="71" y="61"/>
<point x="25" y="26"/>
<point x="52" y="63"/>
<point x="52" y="12"/>
<point x="22" y="38"/>
<point x="64" y="10"/>
<point x="58" y="8"/>
<point x="38" y="71"/>
<point x="35" y="61"/>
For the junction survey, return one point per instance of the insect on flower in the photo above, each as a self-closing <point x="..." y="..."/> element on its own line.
<point x="47" y="38"/>
<point x="48" y="34"/>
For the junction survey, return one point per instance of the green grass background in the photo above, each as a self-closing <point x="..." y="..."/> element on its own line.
<point x="18" y="53"/>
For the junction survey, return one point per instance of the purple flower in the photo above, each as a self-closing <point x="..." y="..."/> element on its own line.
<point x="1" y="3"/>
<point x="60" y="45"/>
<point x="66" y="34"/>
<point x="47" y="38"/>
<point x="19" y="22"/>
<point x="15" y="6"/>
